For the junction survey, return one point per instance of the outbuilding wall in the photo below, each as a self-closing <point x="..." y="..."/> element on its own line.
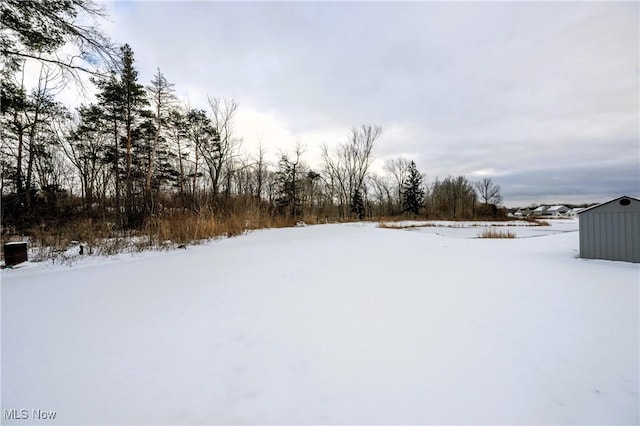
<point x="611" y="231"/>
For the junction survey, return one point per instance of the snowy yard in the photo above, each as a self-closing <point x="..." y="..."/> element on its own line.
<point x="329" y="324"/>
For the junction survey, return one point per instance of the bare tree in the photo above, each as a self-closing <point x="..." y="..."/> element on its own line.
<point x="39" y="109"/>
<point x="83" y="140"/>
<point x="347" y="167"/>
<point x="260" y="171"/>
<point x="219" y="154"/>
<point x="398" y="168"/>
<point x="488" y="191"/>
<point x="453" y="197"/>
<point x="202" y="136"/>
<point x="382" y="194"/>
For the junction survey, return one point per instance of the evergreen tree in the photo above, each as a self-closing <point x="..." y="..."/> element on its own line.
<point x="39" y="29"/>
<point x="134" y="99"/>
<point x="357" y="205"/>
<point x="162" y="97"/>
<point x="14" y="130"/>
<point x="288" y="198"/>
<point x="412" y="191"/>
<point x="177" y="126"/>
<point x="111" y="101"/>
<point x="123" y="100"/>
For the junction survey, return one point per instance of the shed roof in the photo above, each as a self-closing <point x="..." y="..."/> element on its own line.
<point x="607" y="202"/>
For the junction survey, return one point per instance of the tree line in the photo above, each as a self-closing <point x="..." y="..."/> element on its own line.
<point x="138" y="152"/>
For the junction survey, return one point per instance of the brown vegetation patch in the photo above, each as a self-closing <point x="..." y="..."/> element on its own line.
<point x="386" y="225"/>
<point x="496" y="233"/>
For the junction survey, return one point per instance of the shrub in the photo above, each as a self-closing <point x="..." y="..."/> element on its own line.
<point x="496" y="233"/>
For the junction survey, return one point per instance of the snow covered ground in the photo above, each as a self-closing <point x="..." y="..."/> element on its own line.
<point x="328" y="324"/>
<point x="469" y="229"/>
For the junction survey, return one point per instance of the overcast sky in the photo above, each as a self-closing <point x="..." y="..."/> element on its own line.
<point x="542" y="97"/>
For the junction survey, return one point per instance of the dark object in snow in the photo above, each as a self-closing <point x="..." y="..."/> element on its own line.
<point x="182" y="246"/>
<point x="81" y="250"/>
<point x="14" y="253"/>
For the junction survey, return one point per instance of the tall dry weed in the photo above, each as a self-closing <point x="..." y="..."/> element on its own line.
<point x="188" y="227"/>
<point x="496" y="233"/>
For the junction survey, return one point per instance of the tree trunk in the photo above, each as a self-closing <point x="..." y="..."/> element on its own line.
<point x="19" y="159"/>
<point x="128" y="201"/>
<point x="32" y="137"/>
<point x="181" y="165"/>
<point x="116" y="169"/>
<point x="152" y="159"/>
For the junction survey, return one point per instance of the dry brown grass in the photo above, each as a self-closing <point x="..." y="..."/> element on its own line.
<point x="190" y="227"/>
<point x="496" y="233"/>
<point x="387" y="225"/>
<point x="535" y="221"/>
<point x="392" y="223"/>
<point x="165" y="231"/>
<point x="62" y="244"/>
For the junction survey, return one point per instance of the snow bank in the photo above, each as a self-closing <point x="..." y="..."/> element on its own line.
<point x="331" y="324"/>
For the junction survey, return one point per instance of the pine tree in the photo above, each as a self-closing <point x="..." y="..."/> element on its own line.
<point x="38" y="30"/>
<point x="288" y="182"/>
<point x="123" y="100"/>
<point x="111" y="101"/>
<point x="14" y="130"/>
<point x="412" y="191"/>
<point x="134" y="98"/>
<point x="178" y="136"/>
<point x="357" y="205"/>
<point x="161" y="94"/>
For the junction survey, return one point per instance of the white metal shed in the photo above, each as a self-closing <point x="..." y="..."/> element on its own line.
<point x="611" y="230"/>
